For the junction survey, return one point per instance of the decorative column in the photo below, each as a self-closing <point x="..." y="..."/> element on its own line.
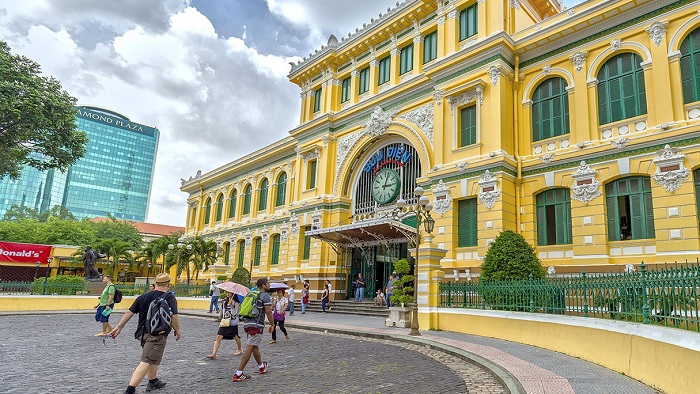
<point x="395" y="65"/>
<point x="430" y="275"/>
<point x="417" y="53"/>
<point x="580" y="118"/>
<point x="452" y="31"/>
<point x="354" y="89"/>
<point x="660" y="76"/>
<point x="373" y="75"/>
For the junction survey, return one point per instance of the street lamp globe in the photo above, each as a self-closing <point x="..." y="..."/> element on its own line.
<point x="180" y="245"/>
<point x="401" y="203"/>
<point x="171" y="246"/>
<point x="418" y="191"/>
<point x="189" y="247"/>
<point x="423" y="201"/>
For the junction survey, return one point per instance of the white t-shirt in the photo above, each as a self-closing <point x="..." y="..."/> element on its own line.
<point x="215" y="290"/>
<point x="290" y="294"/>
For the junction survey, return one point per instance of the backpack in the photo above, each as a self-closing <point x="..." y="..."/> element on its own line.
<point x="249" y="306"/>
<point x="159" y="316"/>
<point x="117" y="295"/>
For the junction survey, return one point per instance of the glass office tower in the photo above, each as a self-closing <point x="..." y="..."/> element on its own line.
<point x="114" y="177"/>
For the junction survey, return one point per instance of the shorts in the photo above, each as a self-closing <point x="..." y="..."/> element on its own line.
<point x="153" y="348"/>
<point x="255" y="339"/>
<point x="99" y="317"/>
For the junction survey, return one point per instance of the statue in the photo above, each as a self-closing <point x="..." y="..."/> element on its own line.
<point x="89" y="258"/>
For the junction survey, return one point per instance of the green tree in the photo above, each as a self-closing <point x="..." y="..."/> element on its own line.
<point x="180" y="257"/>
<point x="203" y="255"/>
<point x="17" y="213"/>
<point x="117" y="229"/>
<point x="403" y="286"/>
<point x="37" y="119"/>
<point x="56" y="212"/>
<point x="241" y="275"/>
<point x="510" y="257"/>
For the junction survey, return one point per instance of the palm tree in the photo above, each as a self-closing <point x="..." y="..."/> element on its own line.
<point x="119" y="250"/>
<point x="180" y="257"/>
<point x="204" y="255"/>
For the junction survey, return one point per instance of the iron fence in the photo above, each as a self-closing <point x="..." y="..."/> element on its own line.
<point x="665" y="296"/>
<point x="78" y="286"/>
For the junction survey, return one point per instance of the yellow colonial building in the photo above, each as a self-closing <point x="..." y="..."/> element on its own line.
<point x="578" y="129"/>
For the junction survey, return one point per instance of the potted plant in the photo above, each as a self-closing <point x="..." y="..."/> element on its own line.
<point x="400" y="316"/>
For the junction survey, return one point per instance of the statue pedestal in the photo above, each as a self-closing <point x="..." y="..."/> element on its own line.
<point x="219" y="269"/>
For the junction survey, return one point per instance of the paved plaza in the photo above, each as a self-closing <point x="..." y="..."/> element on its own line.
<point x="331" y="353"/>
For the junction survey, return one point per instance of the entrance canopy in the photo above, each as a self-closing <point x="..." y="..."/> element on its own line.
<point x="366" y="233"/>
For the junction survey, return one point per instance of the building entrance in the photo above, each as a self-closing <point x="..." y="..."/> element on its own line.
<point x="375" y="264"/>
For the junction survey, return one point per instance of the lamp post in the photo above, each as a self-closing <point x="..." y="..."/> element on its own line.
<point x="179" y="246"/>
<point x="421" y="211"/>
<point x="36" y="271"/>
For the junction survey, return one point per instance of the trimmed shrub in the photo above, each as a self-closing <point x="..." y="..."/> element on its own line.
<point x="242" y="276"/>
<point x="61" y="284"/>
<point x="403" y="286"/>
<point x="510" y="257"/>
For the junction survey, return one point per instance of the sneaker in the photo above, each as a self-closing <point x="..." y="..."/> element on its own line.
<point x="238" y="378"/>
<point x="272" y="341"/>
<point x="264" y="367"/>
<point x="286" y="337"/>
<point x="158" y="384"/>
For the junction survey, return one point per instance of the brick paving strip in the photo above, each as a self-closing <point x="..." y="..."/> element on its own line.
<point x="518" y="375"/>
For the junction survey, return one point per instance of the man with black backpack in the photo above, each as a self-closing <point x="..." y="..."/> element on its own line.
<point x="157" y="312"/>
<point x="253" y="325"/>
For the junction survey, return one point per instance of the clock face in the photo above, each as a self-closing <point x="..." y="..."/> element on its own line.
<point x="385" y="186"/>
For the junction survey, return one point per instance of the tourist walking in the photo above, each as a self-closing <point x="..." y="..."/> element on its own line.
<point x="105" y="306"/>
<point x="290" y="297"/>
<point x="228" y="325"/>
<point x="389" y="290"/>
<point x="324" y="298"/>
<point x="214" y="292"/>
<point x="153" y="344"/>
<point x="329" y="286"/>
<point x="304" y="297"/>
<point x="253" y="327"/>
<point x="278" y="315"/>
<point x="360" y="283"/>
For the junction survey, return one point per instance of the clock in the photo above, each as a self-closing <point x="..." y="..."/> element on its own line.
<point x="385" y="186"/>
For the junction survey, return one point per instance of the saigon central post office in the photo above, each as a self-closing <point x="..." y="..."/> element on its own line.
<point x="578" y="129"/>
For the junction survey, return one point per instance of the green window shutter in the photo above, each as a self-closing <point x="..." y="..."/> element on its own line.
<point x="312" y="174"/>
<point x="650" y="231"/>
<point x="541" y="220"/>
<point x="613" y="218"/>
<point x="257" y="248"/>
<point x="364" y="80"/>
<point x="275" y="249"/>
<point x="219" y="207"/>
<point x="406" y="59"/>
<point x="550" y="109"/>
<point x="560" y="222"/>
<point x="467" y="223"/>
<point x="621" y="89"/>
<point x="637" y="219"/>
<point x="281" y="190"/>
<point x="345" y="91"/>
<point x="430" y="47"/>
<point x="307" y="244"/>
<point x="232" y="205"/>
<point x="262" y="202"/>
<point x="207" y="211"/>
<point x="696" y="179"/>
<point x="317" y="100"/>
<point x="227" y="252"/>
<point x="468" y="22"/>
<point x="690" y="67"/>
<point x="467" y="134"/>
<point x="241" y="253"/>
<point x="384" y="70"/>
<point x="246" y="199"/>
<point x="603" y="113"/>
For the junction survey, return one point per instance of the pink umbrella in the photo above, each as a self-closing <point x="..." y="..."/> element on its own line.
<point x="277" y="286"/>
<point x="235" y="288"/>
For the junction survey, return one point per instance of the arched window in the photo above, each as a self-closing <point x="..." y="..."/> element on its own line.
<point x="246" y="199"/>
<point x="275" y="258"/>
<point x="621" y="92"/>
<point x="227" y="252"/>
<point x="550" y="109"/>
<point x="630" y="210"/>
<point x="690" y="67"/>
<point x="554" y="217"/>
<point x="207" y="211"/>
<point x="232" y="205"/>
<point x="257" y="248"/>
<point x="219" y="207"/>
<point x="193" y="217"/>
<point x="281" y="189"/>
<point x="241" y="252"/>
<point x="262" y="202"/>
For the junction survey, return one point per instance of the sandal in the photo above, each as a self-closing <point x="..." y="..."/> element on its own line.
<point x="238" y="353"/>
<point x="211" y="356"/>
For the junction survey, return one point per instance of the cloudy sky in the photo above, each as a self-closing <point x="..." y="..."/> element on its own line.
<point x="208" y="73"/>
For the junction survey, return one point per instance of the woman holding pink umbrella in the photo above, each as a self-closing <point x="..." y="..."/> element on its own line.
<point x="228" y="326"/>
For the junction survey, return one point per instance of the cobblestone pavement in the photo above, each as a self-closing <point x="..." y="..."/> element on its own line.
<point x="59" y="353"/>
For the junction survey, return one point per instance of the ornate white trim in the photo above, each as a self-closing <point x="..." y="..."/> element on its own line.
<point x="657" y="31"/>
<point x="379" y="121"/>
<point x="578" y="59"/>
<point x="462" y="166"/>
<point x="465" y="98"/>
<point x="316" y="220"/>
<point x="489" y="190"/>
<point x="586" y="187"/>
<point x="670" y="171"/>
<point x="514" y="4"/>
<point x="438" y="95"/>
<point x="547" y="157"/>
<point x="265" y="235"/>
<point x="442" y="202"/>
<point x="248" y="238"/>
<point x="423" y="118"/>
<point x="615" y="44"/>
<point x="494" y="73"/>
<point x="546" y="70"/>
<point x="620" y="142"/>
<point x="284" y="234"/>
<point x="294" y="224"/>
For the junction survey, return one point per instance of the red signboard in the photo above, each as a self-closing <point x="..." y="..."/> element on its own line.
<point x="24" y="253"/>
